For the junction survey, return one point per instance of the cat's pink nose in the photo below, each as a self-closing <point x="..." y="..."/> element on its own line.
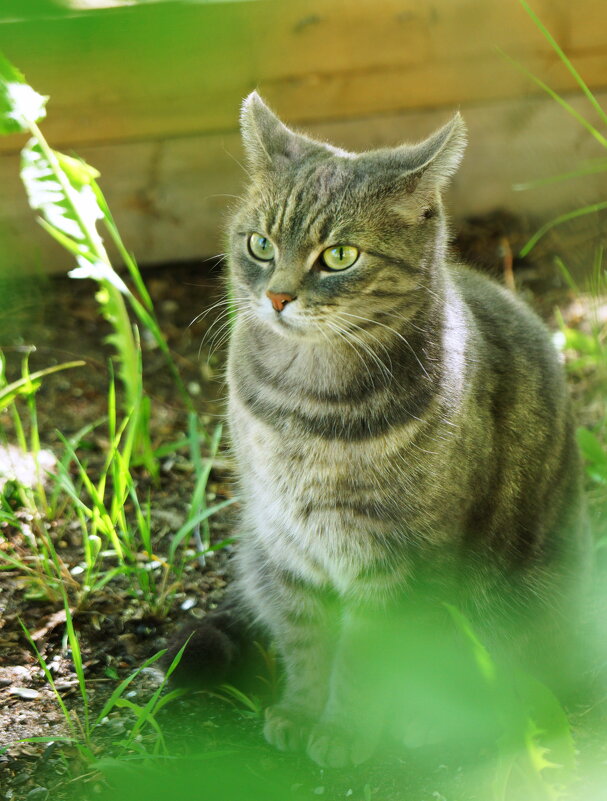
<point x="279" y="299"/>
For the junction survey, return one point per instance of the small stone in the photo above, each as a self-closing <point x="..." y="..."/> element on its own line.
<point x="25" y="692"/>
<point x="37" y="794"/>
<point x="5" y="682"/>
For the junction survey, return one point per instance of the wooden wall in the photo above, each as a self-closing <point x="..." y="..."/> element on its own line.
<point x="150" y="95"/>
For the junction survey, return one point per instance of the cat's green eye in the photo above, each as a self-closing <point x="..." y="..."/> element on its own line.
<point x="340" y="257"/>
<point x="261" y="247"/>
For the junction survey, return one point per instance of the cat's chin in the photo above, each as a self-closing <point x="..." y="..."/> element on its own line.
<point x="294" y="330"/>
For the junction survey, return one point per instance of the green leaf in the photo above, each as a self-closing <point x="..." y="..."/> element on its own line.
<point x="20" y="105"/>
<point x="583" y="343"/>
<point x="594" y="453"/>
<point x="72" y="209"/>
<point x="79" y="249"/>
<point x="99" y="271"/>
<point x="481" y="655"/>
<point x="78" y="171"/>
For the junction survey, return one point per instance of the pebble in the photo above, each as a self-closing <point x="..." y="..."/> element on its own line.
<point x="37" y="794"/>
<point x="25" y="692"/>
<point x="5" y="682"/>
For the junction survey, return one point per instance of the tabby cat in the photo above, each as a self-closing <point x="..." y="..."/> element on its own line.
<point x="402" y="432"/>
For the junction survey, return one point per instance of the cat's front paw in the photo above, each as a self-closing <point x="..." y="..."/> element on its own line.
<point x="285" y="729"/>
<point x="332" y="746"/>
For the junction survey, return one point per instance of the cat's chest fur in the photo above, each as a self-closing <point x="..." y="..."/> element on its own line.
<point x="335" y="510"/>
<point x="307" y="501"/>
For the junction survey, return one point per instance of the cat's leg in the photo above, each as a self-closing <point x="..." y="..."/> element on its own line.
<point x="360" y="688"/>
<point x="306" y="649"/>
<point x="299" y="619"/>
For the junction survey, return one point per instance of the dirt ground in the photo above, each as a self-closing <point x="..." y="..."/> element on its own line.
<point x="215" y="743"/>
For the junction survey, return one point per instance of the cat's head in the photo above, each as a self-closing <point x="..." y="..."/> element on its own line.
<point x="326" y="239"/>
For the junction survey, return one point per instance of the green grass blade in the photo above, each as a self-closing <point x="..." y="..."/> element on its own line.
<point x="194" y="441"/>
<point x="570" y="215"/>
<point x="171" y="447"/>
<point x="77" y="660"/>
<point x="111" y="702"/>
<point x="147" y="712"/>
<point x="560" y="100"/>
<point x="104" y="519"/>
<point x="566" y="273"/>
<point x="191" y="524"/>
<point x="49" y="678"/>
<point x="482" y="657"/>
<point x="129" y="261"/>
<point x="31" y="382"/>
<point x="563" y="57"/>
<point x="591" y="168"/>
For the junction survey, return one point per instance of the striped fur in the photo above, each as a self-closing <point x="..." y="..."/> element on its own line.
<point x="402" y="426"/>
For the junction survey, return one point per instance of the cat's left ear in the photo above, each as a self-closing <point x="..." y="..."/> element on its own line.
<point x="267" y="141"/>
<point x="431" y="163"/>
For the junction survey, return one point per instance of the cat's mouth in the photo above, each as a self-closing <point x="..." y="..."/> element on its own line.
<point x="292" y="325"/>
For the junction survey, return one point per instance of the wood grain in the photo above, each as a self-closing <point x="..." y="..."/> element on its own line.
<point x="166" y="70"/>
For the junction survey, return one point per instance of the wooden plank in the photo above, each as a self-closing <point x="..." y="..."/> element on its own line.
<point x="165" y="70"/>
<point x="171" y="198"/>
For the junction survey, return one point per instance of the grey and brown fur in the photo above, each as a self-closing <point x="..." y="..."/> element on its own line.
<point x="402" y="430"/>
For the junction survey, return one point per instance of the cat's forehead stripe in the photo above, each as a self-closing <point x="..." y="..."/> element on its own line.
<point x="300" y="214"/>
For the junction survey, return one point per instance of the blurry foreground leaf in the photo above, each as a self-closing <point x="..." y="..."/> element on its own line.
<point x="19" y="103"/>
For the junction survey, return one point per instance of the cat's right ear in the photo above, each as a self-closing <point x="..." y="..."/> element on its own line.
<point x="264" y="136"/>
<point x="267" y="141"/>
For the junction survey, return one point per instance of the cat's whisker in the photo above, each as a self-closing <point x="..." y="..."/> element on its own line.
<point x="204" y="313"/>
<point x="363" y="345"/>
<point x="224" y="194"/>
<point x="367" y="333"/>
<point x="222" y="334"/>
<point x="383" y="368"/>
<point x="220" y="256"/>
<point x="318" y="325"/>
<point x="225" y="327"/>
<point x="242" y="167"/>
<point x="224" y="320"/>
<point x="394" y="331"/>
<point x="223" y="302"/>
<point x="343" y="335"/>
<point x="403" y="319"/>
